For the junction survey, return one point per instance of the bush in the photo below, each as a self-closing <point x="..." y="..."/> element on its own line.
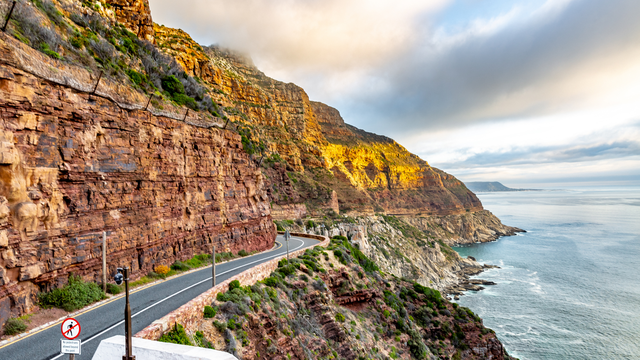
<point x="114" y="289"/>
<point x="162" y="269"/>
<point x="287" y="270"/>
<point x="177" y="335"/>
<point x="271" y="281"/>
<point x="14" y="326"/>
<point x="220" y="326"/>
<point x="235" y="284"/>
<point x="243" y="253"/>
<point x="172" y="85"/>
<point x="73" y="296"/>
<point x="209" y="312"/>
<point x="340" y="317"/>
<point x="180" y="266"/>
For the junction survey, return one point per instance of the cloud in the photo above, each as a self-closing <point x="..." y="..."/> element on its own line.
<point x="325" y="36"/>
<point x="512" y="66"/>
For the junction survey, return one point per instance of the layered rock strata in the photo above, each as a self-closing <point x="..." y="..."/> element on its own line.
<point x="74" y="165"/>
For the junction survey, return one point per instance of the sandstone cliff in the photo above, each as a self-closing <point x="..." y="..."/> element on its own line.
<point x="73" y="165"/>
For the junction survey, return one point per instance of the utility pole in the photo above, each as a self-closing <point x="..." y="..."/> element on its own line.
<point x="104" y="261"/>
<point x="213" y="267"/>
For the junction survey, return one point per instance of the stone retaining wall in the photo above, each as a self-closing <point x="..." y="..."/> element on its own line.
<point x="189" y="313"/>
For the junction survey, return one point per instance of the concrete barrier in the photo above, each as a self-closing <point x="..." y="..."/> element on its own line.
<point x="189" y="313"/>
<point x="114" y="348"/>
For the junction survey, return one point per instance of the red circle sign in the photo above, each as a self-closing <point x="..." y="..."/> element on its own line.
<point x="70" y="328"/>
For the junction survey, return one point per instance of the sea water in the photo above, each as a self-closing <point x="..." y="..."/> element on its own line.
<point x="569" y="288"/>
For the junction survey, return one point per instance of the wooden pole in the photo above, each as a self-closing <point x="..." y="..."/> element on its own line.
<point x="9" y="16"/>
<point x="150" y="97"/>
<point x="185" y="115"/>
<point x="225" y="124"/>
<point x="104" y="261"/>
<point x="213" y="267"/>
<point x="97" y="83"/>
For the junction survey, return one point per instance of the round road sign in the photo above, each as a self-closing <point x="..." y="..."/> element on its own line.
<point x="70" y="328"/>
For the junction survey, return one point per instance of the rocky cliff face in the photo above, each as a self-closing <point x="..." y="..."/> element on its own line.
<point x="368" y="172"/>
<point x="135" y="15"/>
<point x="326" y="304"/>
<point x="170" y="175"/>
<point x="75" y="165"/>
<point x="480" y="226"/>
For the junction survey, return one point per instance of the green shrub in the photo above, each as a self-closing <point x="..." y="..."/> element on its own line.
<point x="231" y="324"/>
<point x="180" y="266"/>
<point x="340" y="317"/>
<point x="287" y="270"/>
<point x="235" y="284"/>
<point x="243" y="253"/>
<point x="14" y="326"/>
<point x="172" y="85"/>
<point x="271" y="281"/>
<point x="209" y="312"/>
<point x="114" y="289"/>
<point x="177" y="335"/>
<point x="220" y="326"/>
<point x="182" y="99"/>
<point x="73" y="296"/>
<point x="45" y="49"/>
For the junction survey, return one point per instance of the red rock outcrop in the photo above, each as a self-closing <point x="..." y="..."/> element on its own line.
<point x="135" y="15"/>
<point x="73" y="165"/>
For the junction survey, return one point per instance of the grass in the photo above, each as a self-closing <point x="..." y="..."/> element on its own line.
<point x="14" y="326"/>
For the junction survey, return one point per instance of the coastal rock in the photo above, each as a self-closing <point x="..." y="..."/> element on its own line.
<point x="467" y="228"/>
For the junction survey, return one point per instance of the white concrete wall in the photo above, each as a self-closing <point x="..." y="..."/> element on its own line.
<point x="114" y="348"/>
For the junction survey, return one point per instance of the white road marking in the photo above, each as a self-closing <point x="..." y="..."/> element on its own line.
<point x="183" y="290"/>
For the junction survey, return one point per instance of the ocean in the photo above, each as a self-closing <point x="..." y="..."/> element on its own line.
<point x="569" y="288"/>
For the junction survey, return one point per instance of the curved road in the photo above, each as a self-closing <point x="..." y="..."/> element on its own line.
<point x="147" y="305"/>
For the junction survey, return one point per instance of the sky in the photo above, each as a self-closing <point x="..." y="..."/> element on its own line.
<point x="531" y="93"/>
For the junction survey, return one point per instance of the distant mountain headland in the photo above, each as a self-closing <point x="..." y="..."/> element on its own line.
<point x="491" y="186"/>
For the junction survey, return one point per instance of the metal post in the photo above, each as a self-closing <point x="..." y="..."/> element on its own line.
<point x="286" y="238"/>
<point x="213" y="267"/>
<point x="72" y="356"/>
<point x="96" y="87"/>
<point x="148" y="102"/>
<point x="9" y="16"/>
<point x="127" y="317"/>
<point x="104" y="261"/>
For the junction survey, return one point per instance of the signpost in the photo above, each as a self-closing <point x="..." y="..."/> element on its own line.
<point x="70" y="329"/>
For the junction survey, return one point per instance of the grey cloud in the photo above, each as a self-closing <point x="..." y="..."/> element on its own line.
<point x="529" y="63"/>
<point x="549" y="155"/>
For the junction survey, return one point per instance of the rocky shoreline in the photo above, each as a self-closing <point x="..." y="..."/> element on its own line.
<point x="468" y="284"/>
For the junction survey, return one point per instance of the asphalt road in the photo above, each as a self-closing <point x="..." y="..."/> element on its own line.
<point x="147" y="305"/>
